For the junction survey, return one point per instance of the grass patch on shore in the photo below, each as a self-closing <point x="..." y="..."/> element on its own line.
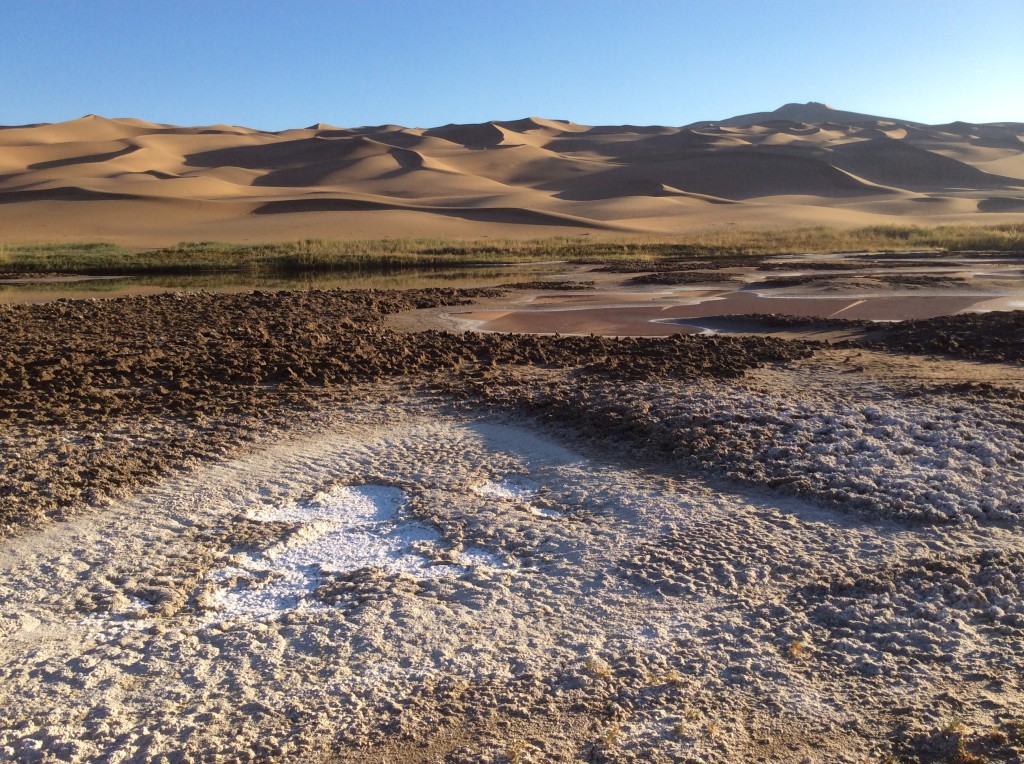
<point x="1007" y="237"/>
<point x="281" y="258"/>
<point x="317" y="255"/>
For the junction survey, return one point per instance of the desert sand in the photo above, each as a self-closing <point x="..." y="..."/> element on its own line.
<point x="145" y="184"/>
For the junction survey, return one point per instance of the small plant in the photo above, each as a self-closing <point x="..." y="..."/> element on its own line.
<point x="1014" y="729"/>
<point x="954" y="726"/>
<point x="516" y="752"/>
<point x="672" y="678"/>
<point x="956" y="732"/>
<point x="995" y="736"/>
<point x="684" y="726"/>
<point x="963" y="756"/>
<point x="797" y="649"/>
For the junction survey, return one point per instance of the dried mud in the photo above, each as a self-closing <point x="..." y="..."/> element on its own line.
<point x="550" y="285"/>
<point x="683" y="277"/>
<point x="997" y="336"/>
<point x="692" y="263"/>
<point x="864" y="281"/>
<point x="688" y="549"/>
<point x="203" y="369"/>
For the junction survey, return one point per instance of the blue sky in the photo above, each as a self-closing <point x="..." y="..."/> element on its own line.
<point x="275" y="65"/>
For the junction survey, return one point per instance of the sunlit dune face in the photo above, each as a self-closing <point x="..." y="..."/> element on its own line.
<point x="133" y="181"/>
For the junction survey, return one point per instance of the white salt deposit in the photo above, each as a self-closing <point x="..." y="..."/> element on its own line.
<point x="543" y="512"/>
<point x="510" y="489"/>
<point x="517" y="490"/>
<point x="900" y="458"/>
<point x="474" y="557"/>
<point x="349" y="528"/>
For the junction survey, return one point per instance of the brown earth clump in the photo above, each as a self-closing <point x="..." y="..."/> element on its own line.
<point x="550" y="285"/>
<point x="996" y="336"/>
<point x="692" y="263"/>
<point x="671" y="278"/>
<point x="898" y="280"/>
<point x="96" y="396"/>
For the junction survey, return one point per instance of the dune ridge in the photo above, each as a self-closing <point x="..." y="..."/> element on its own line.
<point x="141" y="182"/>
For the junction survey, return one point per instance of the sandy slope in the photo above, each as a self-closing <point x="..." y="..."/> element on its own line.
<point x="143" y="183"/>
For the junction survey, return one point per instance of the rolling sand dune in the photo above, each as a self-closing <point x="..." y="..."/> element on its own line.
<point x="143" y="183"/>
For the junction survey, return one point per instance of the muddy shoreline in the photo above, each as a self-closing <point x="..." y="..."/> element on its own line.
<point x="101" y="396"/>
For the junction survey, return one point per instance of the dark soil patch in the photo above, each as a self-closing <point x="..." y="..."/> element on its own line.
<point x="782" y="321"/>
<point x="97" y="396"/>
<point x="939" y="255"/>
<point x="825" y="265"/>
<point x="682" y="277"/>
<point x="898" y="280"/>
<point x="553" y="285"/>
<point x="684" y="264"/>
<point x="996" y="336"/>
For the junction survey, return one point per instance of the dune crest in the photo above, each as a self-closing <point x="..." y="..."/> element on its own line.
<point x="141" y="182"/>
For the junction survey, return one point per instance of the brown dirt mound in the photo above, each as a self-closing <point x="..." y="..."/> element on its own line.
<point x="671" y="278"/>
<point x="995" y="336"/>
<point x="552" y="285"/>
<point x="875" y="280"/>
<point x="100" y="395"/>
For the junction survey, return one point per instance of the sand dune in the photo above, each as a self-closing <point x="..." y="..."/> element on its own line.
<point x="147" y="183"/>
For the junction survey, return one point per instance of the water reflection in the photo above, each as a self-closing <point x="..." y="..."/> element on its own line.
<point x="44" y="290"/>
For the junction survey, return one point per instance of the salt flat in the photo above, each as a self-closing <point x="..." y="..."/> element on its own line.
<point x="403" y="579"/>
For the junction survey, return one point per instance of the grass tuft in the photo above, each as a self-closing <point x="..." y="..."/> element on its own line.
<point x="797" y="649"/>
<point x="320" y="255"/>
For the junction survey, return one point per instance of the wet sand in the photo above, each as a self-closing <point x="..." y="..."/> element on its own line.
<point x="637" y="306"/>
<point x="651" y="322"/>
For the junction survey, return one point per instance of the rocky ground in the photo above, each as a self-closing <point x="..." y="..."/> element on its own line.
<point x="268" y="527"/>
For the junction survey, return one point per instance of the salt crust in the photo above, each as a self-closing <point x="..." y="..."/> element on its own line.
<point x="511" y="489"/>
<point x="517" y="490"/>
<point x="349" y="528"/>
<point x="901" y="459"/>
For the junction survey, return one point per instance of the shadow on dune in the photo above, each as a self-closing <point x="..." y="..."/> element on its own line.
<point x="731" y="174"/>
<point x="896" y="163"/>
<point x="62" y="194"/>
<point x="480" y="214"/>
<point x="87" y="159"/>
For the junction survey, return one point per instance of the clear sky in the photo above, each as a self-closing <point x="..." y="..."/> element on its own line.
<point x="422" y="63"/>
